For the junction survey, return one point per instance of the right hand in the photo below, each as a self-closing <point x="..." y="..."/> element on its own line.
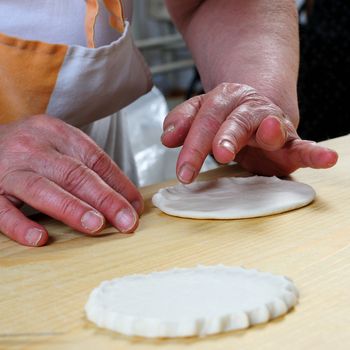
<point x="58" y="170"/>
<point x="236" y="122"/>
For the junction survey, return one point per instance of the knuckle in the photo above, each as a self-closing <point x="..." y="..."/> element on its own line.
<point x="255" y="101"/>
<point x="243" y="121"/>
<point x="227" y="88"/>
<point x="237" y="89"/>
<point x="210" y="125"/>
<point x="39" y="121"/>
<point x="222" y="88"/>
<point x="97" y="159"/>
<point x="186" y="110"/>
<point x="106" y="200"/>
<point x="196" y="155"/>
<point x="236" y="94"/>
<point x="74" y="176"/>
<point x="4" y="212"/>
<point x="38" y="159"/>
<point x="36" y="118"/>
<point x="5" y="168"/>
<point x="6" y="175"/>
<point x="62" y="128"/>
<point x="41" y="118"/>
<point x="259" y="104"/>
<point x="45" y="122"/>
<point x="68" y="207"/>
<point x="194" y="103"/>
<point x="34" y="184"/>
<point x="102" y="164"/>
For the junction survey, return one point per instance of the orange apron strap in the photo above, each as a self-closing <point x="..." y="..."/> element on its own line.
<point x="115" y="8"/>
<point x="116" y="18"/>
<point x="29" y="71"/>
<point x="90" y="20"/>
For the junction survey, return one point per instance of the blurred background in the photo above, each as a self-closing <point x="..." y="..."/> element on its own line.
<point x="323" y="85"/>
<point x="324" y="73"/>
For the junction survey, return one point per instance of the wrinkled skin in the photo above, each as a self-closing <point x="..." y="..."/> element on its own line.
<point x="235" y="122"/>
<point x="58" y="170"/>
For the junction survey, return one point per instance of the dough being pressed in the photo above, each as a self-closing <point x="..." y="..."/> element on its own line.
<point x="186" y="302"/>
<point x="233" y="198"/>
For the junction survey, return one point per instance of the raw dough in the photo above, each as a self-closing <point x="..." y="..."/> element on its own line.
<point x="186" y="302"/>
<point x="233" y="198"/>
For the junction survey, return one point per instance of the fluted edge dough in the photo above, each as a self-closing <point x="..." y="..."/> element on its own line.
<point x="131" y="305"/>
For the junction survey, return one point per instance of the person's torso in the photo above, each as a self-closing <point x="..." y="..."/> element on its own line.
<point x="73" y="59"/>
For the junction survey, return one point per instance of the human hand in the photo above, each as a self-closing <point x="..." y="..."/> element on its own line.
<point x="60" y="171"/>
<point x="235" y="122"/>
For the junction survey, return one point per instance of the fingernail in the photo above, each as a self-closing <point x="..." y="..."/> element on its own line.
<point x="276" y="120"/>
<point x="138" y="206"/>
<point x="33" y="236"/>
<point x="283" y="131"/>
<point x="92" y="221"/>
<point x="333" y="157"/>
<point x="125" y="220"/>
<point x="169" y="128"/>
<point x="187" y="173"/>
<point x="228" y="145"/>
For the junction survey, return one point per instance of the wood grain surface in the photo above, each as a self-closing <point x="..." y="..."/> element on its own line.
<point x="43" y="290"/>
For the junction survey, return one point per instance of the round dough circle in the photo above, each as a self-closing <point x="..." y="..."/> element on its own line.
<point x="233" y="198"/>
<point x="186" y="302"/>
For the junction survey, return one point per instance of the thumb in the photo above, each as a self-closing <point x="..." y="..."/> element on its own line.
<point x="272" y="134"/>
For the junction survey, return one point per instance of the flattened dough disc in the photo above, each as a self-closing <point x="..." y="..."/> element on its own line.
<point x="186" y="302"/>
<point x="233" y="198"/>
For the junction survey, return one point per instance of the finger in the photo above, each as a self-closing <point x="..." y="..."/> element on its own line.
<point x="47" y="197"/>
<point x="198" y="143"/>
<point x="250" y="123"/>
<point x="15" y="225"/>
<point x="85" y="184"/>
<point x="295" y="154"/>
<point x="302" y="153"/>
<point x="271" y="134"/>
<point x="79" y="146"/>
<point x="178" y="122"/>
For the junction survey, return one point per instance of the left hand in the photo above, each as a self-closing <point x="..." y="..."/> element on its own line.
<point x="235" y="122"/>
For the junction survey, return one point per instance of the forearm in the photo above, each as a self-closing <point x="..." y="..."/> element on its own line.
<point x="253" y="42"/>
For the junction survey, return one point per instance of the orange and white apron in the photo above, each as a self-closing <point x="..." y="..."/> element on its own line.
<point x="45" y="66"/>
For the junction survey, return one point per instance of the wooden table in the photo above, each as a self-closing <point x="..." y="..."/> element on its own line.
<point x="43" y="290"/>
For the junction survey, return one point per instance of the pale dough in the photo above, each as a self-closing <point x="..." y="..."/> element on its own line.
<point x="233" y="198"/>
<point x="186" y="302"/>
